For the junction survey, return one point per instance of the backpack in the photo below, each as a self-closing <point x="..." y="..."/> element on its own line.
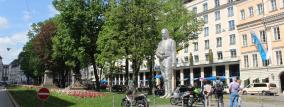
<point x="218" y="87"/>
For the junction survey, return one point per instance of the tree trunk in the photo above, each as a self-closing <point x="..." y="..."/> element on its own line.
<point x="93" y="61"/>
<point x="151" y="63"/>
<point x="136" y="68"/>
<point x="126" y="72"/>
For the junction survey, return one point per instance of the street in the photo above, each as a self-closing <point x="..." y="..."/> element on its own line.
<point x="4" y="98"/>
<point x="247" y="101"/>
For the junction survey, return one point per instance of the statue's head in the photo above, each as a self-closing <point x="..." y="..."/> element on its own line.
<point x="165" y="33"/>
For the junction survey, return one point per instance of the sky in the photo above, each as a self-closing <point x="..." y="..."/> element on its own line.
<point x="16" y="16"/>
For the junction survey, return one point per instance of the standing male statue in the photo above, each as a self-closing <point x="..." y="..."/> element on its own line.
<point x="166" y="53"/>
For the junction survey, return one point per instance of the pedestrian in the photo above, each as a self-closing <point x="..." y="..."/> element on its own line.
<point x="240" y="94"/>
<point x="219" y="91"/>
<point x="234" y="88"/>
<point x="207" y="91"/>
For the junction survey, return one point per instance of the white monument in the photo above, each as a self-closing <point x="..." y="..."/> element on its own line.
<point x="166" y="53"/>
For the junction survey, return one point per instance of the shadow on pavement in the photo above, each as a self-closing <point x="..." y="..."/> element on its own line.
<point x="28" y="98"/>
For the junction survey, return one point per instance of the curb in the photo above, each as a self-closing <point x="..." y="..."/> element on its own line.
<point x="12" y="99"/>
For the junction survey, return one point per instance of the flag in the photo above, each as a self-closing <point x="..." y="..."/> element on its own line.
<point x="259" y="46"/>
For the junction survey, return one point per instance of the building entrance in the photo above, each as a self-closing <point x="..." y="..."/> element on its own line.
<point x="282" y="81"/>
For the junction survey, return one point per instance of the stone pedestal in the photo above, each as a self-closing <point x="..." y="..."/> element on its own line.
<point x="48" y="79"/>
<point x="76" y="83"/>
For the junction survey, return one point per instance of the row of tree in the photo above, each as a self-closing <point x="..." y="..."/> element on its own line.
<point x="102" y="32"/>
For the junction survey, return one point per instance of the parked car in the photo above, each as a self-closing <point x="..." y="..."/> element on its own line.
<point x="261" y="89"/>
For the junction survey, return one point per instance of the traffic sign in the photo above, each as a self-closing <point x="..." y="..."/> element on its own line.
<point x="43" y="94"/>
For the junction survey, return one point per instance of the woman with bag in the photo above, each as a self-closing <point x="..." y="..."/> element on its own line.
<point x="207" y="92"/>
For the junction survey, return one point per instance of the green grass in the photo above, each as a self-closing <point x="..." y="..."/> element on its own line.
<point x="26" y="97"/>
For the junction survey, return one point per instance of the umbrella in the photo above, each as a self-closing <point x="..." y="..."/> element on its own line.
<point x="158" y="76"/>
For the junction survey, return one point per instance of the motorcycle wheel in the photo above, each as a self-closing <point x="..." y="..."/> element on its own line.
<point x="190" y="101"/>
<point x="142" y="103"/>
<point x="125" y="103"/>
<point x="173" y="101"/>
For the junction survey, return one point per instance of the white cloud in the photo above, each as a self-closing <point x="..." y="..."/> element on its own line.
<point x="52" y="11"/>
<point x="3" y="22"/>
<point x="27" y="15"/>
<point x="15" y="42"/>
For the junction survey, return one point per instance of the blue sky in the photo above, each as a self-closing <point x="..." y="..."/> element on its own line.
<point x="16" y="16"/>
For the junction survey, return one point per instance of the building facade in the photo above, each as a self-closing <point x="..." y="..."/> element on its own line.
<point x="265" y="18"/>
<point x="216" y="51"/>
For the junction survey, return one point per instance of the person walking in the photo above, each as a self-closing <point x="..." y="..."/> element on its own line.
<point x="207" y="91"/>
<point x="234" y="88"/>
<point x="219" y="91"/>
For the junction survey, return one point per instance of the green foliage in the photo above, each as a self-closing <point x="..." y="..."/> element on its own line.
<point x="191" y="59"/>
<point x="210" y="55"/>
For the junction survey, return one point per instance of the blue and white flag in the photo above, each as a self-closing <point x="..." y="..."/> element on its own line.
<point x="259" y="46"/>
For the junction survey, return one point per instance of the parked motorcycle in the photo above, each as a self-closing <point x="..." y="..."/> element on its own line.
<point x="195" y="96"/>
<point x="180" y="95"/>
<point x="134" y="100"/>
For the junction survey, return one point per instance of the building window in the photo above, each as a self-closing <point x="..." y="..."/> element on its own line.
<point x="218" y="28"/>
<point x="206" y="57"/>
<point x="262" y="36"/>
<point x="231" y="25"/>
<point x="220" y="55"/>
<point x="206" y="44"/>
<point x="246" y="62"/>
<point x="186" y="50"/>
<point x="245" y="40"/>
<point x="273" y="5"/>
<point x="196" y="58"/>
<point x="205" y="7"/>
<point x="232" y="39"/>
<point x="279" y="57"/>
<point x="250" y="11"/>
<point x="195" y="46"/>
<point x="194" y="9"/>
<point x="276" y="33"/>
<point x="243" y="14"/>
<point x="217" y="15"/>
<point x="265" y="63"/>
<point x="205" y="17"/>
<point x="260" y="9"/>
<point x="219" y="42"/>
<point x="254" y="59"/>
<point x="230" y="11"/>
<point x="217" y="3"/>
<point x="230" y="1"/>
<point x="186" y="59"/>
<point x="233" y="53"/>
<point x="206" y="31"/>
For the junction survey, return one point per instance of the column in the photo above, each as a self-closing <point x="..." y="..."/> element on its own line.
<point x="138" y="81"/>
<point x="181" y="77"/>
<point x="191" y="76"/>
<point x="173" y="80"/>
<point x="214" y="71"/>
<point x="144" y="79"/>
<point x="123" y="79"/>
<point x="201" y="71"/>
<point x="115" y="80"/>
<point x="227" y="73"/>
<point x="119" y="80"/>
<point x="108" y="81"/>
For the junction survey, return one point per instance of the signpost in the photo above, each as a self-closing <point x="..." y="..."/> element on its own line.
<point x="43" y="94"/>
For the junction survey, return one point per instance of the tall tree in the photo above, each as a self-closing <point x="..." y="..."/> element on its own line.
<point x="83" y="19"/>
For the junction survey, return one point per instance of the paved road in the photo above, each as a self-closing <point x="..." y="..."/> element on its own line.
<point x="249" y="101"/>
<point x="4" y="98"/>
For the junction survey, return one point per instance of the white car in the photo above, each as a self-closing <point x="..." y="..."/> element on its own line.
<point x="261" y="89"/>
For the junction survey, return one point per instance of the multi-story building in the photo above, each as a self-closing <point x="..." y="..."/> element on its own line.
<point x="15" y="74"/>
<point x="265" y="18"/>
<point x="216" y="51"/>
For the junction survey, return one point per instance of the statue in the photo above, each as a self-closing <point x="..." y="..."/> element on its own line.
<point x="166" y="54"/>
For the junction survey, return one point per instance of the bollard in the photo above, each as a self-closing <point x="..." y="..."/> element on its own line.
<point x="112" y="99"/>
